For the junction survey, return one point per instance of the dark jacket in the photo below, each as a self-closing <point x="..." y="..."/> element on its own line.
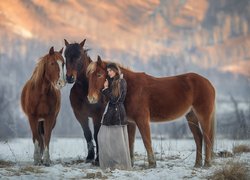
<point x="115" y="114"/>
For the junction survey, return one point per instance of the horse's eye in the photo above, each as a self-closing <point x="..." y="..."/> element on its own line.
<point x="52" y="63"/>
<point x="99" y="75"/>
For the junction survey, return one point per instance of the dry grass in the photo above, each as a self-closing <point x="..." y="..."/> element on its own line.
<point x="19" y="171"/>
<point x="31" y="169"/>
<point x="231" y="171"/>
<point x="241" y="148"/>
<point x="70" y="163"/>
<point x="97" y="175"/>
<point x="4" y="164"/>
<point x="224" y="154"/>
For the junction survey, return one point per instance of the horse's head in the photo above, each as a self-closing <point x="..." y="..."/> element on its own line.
<point x="54" y="68"/>
<point x="97" y="74"/>
<point x="74" y="61"/>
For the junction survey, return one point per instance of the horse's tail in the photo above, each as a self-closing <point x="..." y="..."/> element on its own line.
<point x="23" y="98"/>
<point x="212" y="130"/>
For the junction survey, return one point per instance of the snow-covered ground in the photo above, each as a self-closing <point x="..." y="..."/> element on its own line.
<point x="175" y="160"/>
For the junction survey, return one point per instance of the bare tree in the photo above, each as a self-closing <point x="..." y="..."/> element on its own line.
<point x="241" y="125"/>
<point x="6" y="120"/>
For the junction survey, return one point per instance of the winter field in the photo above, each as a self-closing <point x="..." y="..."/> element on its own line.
<point x="175" y="160"/>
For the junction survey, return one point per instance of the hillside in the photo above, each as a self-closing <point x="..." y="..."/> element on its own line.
<point x="159" y="37"/>
<point x="208" y="33"/>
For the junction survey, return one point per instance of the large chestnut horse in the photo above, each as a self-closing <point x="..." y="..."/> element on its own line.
<point x="41" y="100"/>
<point x="77" y="61"/>
<point x="163" y="99"/>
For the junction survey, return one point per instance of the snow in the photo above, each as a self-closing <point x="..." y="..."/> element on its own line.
<point x="175" y="160"/>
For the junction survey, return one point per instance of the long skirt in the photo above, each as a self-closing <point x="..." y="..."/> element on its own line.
<point x="114" y="147"/>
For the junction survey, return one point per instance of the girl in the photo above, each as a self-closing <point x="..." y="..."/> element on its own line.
<point x="113" y="135"/>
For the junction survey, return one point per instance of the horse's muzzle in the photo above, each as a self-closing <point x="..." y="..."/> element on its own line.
<point x="70" y="79"/>
<point x="92" y="99"/>
<point x="60" y="84"/>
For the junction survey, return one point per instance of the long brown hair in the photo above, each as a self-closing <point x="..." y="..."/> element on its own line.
<point x="116" y="81"/>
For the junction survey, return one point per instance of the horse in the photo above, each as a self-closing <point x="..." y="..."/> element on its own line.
<point x="40" y="101"/>
<point x="77" y="61"/>
<point x="163" y="99"/>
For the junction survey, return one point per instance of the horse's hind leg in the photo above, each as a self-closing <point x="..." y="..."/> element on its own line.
<point x="207" y="127"/>
<point x="36" y="140"/>
<point x="142" y="122"/>
<point x="131" y="136"/>
<point x="195" y="129"/>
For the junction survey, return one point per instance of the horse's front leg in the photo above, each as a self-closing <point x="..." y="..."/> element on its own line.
<point x="36" y="140"/>
<point x="131" y="138"/>
<point x="48" y="126"/>
<point x="84" y="121"/>
<point x="142" y="120"/>
<point x="97" y="125"/>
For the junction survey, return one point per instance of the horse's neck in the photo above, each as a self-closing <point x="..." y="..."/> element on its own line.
<point x="43" y="86"/>
<point x="85" y="62"/>
<point x="140" y="78"/>
<point x="128" y="74"/>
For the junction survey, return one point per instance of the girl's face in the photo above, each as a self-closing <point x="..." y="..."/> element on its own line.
<point x="111" y="73"/>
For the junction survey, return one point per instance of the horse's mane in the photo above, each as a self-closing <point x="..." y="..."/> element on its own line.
<point x="39" y="72"/>
<point x="91" y="68"/>
<point x="86" y="54"/>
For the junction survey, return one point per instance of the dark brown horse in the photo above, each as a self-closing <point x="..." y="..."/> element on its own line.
<point x="77" y="61"/>
<point x="163" y="99"/>
<point x="41" y="100"/>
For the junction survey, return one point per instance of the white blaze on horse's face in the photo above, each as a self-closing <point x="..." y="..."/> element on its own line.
<point x="61" y="81"/>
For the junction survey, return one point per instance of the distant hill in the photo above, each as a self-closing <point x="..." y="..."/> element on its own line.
<point x="208" y="33"/>
<point x="160" y="37"/>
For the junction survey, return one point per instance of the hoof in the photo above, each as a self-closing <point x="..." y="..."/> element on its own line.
<point x="91" y="152"/>
<point x="151" y="161"/>
<point x="89" y="160"/>
<point x="207" y="164"/>
<point x="90" y="157"/>
<point x="37" y="163"/>
<point x="132" y="163"/>
<point x="152" y="165"/>
<point x="198" y="165"/>
<point x="47" y="163"/>
<point x="95" y="163"/>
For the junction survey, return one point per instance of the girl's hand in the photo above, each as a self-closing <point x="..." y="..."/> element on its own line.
<point x="106" y="84"/>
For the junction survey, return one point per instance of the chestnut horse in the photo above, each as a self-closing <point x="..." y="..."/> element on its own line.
<point x="40" y="100"/>
<point x="77" y="61"/>
<point x="163" y="99"/>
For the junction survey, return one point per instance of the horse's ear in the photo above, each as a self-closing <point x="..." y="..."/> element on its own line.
<point x="51" y="51"/>
<point x="82" y="43"/>
<point x="100" y="62"/>
<point x="66" y="42"/>
<point x="61" y="51"/>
